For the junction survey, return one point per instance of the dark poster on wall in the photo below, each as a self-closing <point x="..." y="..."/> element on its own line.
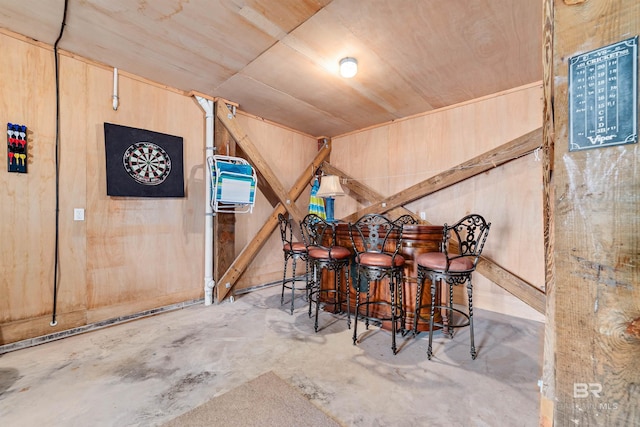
<point x="603" y="96"/>
<point x="143" y="163"/>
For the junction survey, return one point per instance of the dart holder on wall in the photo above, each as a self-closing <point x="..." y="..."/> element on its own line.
<point x="16" y="148"/>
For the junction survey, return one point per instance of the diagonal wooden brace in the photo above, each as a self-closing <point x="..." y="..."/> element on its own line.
<point x="258" y="161"/>
<point x="239" y="265"/>
<point x="510" y="282"/>
<point x="489" y="160"/>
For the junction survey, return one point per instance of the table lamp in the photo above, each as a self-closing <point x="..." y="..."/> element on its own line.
<point x="329" y="188"/>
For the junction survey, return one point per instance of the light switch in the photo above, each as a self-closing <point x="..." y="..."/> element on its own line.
<point x="78" y="214"/>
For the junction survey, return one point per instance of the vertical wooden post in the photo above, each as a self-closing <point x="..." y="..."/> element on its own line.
<point x="548" y="375"/>
<point x="224" y="225"/>
<point x="593" y="355"/>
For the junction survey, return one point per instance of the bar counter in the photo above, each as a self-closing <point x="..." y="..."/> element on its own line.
<point x="416" y="239"/>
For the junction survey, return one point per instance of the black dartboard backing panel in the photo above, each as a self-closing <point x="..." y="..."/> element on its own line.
<point x="143" y="163"/>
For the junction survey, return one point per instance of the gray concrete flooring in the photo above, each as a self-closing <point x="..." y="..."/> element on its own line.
<point x="148" y="371"/>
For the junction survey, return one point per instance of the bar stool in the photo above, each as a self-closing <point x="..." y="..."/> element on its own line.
<point x="377" y="241"/>
<point x="406" y="219"/>
<point x="294" y="251"/>
<point x="453" y="269"/>
<point x="319" y="237"/>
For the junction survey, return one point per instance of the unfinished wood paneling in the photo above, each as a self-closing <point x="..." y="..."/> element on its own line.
<point x="130" y="254"/>
<point x="597" y="244"/>
<point x="27" y="201"/>
<point x="141" y="248"/>
<point x="394" y="157"/>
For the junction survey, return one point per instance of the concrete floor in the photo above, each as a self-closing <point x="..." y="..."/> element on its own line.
<point x="148" y="371"/>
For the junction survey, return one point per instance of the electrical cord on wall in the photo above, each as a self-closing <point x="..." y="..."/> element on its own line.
<point x="54" y="322"/>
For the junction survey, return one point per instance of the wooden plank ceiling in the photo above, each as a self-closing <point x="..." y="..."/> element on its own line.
<point x="278" y="59"/>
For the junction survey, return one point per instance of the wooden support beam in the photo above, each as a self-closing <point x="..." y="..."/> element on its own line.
<point x="549" y="355"/>
<point x="487" y="161"/>
<point x="256" y="159"/>
<point x="519" y="288"/>
<point x="239" y="265"/>
<point x="249" y="252"/>
<point x="360" y="191"/>
<point x="263" y="184"/>
<point x="513" y="284"/>
<point x="224" y="225"/>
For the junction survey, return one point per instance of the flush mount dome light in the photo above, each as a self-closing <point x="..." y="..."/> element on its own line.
<point x="348" y="67"/>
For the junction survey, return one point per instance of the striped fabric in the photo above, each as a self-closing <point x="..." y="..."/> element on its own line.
<point x="316" y="204"/>
<point x="233" y="184"/>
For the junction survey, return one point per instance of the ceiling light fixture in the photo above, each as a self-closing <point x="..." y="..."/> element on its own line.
<point x="348" y="67"/>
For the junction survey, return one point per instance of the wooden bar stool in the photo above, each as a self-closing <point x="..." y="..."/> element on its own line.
<point x="319" y="237"/>
<point x="453" y="269"/>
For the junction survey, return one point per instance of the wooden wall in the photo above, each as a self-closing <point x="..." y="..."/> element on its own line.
<point x="130" y="254"/>
<point x="395" y="156"/>
<point x="593" y="330"/>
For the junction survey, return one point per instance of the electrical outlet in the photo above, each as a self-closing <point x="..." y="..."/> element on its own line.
<point x="423" y="216"/>
<point x="78" y="214"/>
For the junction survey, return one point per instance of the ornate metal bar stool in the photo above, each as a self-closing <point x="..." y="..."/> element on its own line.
<point x="294" y="251"/>
<point x="405" y="219"/>
<point x="453" y="269"/>
<point x="319" y="237"/>
<point x="377" y="241"/>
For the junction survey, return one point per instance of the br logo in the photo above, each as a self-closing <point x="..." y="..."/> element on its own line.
<point x="583" y="390"/>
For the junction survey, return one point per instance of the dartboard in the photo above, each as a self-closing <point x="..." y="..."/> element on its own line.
<point x="147" y="163"/>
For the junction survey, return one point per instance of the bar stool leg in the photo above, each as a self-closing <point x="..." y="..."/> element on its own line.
<point x="306" y="277"/>
<point x="470" y="294"/>
<point x="314" y="285"/>
<point x="403" y="324"/>
<point x="392" y="286"/>
<point x="416" y="314"/>
<point x="284" y="279"/>
<point x="432" y="311"/>
<point x="317" y="298"/>
<point x="346" y="287"/>
<point x="368" y="300"/>
<point x="293" y="282"/>
<point x="355" y="322"/>
<point x="450" y="312"/>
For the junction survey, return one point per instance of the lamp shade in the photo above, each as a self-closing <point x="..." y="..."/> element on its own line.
<point x="330" y="186"/>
